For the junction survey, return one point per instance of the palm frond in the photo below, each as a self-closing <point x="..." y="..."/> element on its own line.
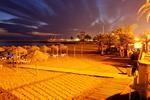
<point x="141" y="8"/>
<point x="145" y="8"/>
<point x="147" y="1"/>
<point x="148" y="16"/>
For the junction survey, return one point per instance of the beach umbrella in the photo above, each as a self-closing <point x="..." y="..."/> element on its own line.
<point x="10" y="48"/>
<point x="62" y="48"/>
<point x="21" y="50"/>
<point x="54" y="49"/>
<point x="45" y="49"/>
<point x="26" y="47"/>
<point x="34" y="48"/>
<point x="2" y="49"/>
<point x="39" y="56"/>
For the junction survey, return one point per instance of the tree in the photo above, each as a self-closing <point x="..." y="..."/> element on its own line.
<point x="145" y="8"/>
<point x="71" y="37"/>
<point x="101" y="39"/>
<point x="106" y="40"/>
<point x="81" y="35"/>
<point x="114" y="39"/>
<point x="87" y="37"/>
<point x="125" y="36"/>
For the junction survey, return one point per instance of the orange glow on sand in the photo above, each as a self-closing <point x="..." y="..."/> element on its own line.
<point x="60" y="76"/>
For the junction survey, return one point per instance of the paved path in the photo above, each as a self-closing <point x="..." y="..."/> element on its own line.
<point x="38" y="85"/>
<point x="33" y="84"/>
<point x="83" y="65"/>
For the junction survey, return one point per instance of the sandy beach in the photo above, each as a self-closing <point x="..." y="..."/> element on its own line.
<point x="73" y="76"/>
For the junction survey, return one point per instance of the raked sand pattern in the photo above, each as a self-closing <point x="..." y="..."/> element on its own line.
<point x="31" y="84"/>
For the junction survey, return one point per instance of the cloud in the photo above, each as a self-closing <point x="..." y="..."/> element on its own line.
<point x="95" y="22"/>
<point x="52" y="16"/>
<point x="27" y="26"/>
<point x="43" y="34"/>
<point x="62" y="16"/>
<point x="6" y="16"/>
<point x="4" y="32"/>
<point x="12" y="34"/>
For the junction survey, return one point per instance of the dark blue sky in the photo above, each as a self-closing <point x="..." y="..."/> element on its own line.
<point x="18" y="18"/>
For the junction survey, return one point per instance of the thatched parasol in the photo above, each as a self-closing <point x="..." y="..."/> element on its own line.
<point x="2" y="49"/>
<point x="45" y="49"/>
<point x="39" y="56"/>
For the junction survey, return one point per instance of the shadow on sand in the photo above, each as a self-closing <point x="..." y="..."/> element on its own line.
<point x="115" y="59"/>
<point x="6" y="95"/>
<point x="134" y="96"/>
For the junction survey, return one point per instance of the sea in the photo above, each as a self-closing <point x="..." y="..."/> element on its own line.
<point x="30" y="43"/>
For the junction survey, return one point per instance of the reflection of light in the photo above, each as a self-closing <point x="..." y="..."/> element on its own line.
<point x="76" y="39"/>
<point x="2" y="30"/>
<point x="137" y="45"/>
<point x="137" y="39"/>
<point x="148" y="36"/>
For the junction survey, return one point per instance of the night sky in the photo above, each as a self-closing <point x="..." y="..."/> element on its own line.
<point x="19" y="18"/>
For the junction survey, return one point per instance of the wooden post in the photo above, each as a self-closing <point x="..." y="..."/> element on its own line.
<point x="74" y="50"/>
<point x="81" y="49"/>
<point x="67" y="50"/>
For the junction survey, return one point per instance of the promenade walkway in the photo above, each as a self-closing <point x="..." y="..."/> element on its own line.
<point x="105" y="66"/>
<point x="34" y="84"/>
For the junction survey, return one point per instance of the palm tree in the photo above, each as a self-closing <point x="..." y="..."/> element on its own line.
<point x="145" y="8"/>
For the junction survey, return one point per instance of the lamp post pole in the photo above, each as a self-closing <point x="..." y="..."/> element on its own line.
<point x="103" y="29"/>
